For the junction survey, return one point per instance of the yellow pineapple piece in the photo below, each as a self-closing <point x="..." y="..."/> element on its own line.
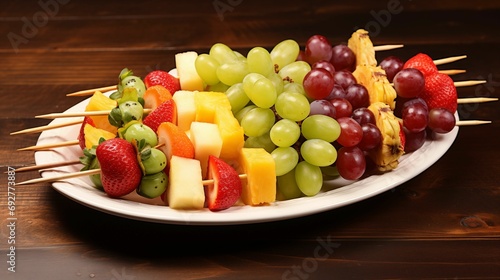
<point x="100" y="102"/>
<point x="207" y="102"/>
<point x="260" y="186"/>
<point x="231" y="133"/>
<point x="93" y="134"/>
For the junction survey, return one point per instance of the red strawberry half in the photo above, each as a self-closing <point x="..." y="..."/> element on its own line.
<point x="166" y="112"/>
<point x="120" y="170"/>
<point x="226" y="189"/>
<point x="81" y="135"/>
<point x="422" y="62"/>
<point x="440" y="92"/>
<point x="160" y="77"/>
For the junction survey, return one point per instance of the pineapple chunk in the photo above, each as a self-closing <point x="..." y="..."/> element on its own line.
<point x="188" y="76"/>
<point x="186" y="108"/>
<point x="207" y="102"/>
<point x="206" y="141"/>
<point x="231" y="133"/>
<point x="185" y="188"/>
<point x="93" y="134"/>
<point x="260" y="186"/>
<point x="100" y="102"/>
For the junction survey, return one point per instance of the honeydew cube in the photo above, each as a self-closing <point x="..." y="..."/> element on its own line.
<point x="207" y="141"/>
<point x="207" y="102"/>
<point x="231" y="132"/>
<point x="188" y="76"/>
<point x="260" y="186"/>
<point x="186" y="108"/>
<point x="185" y="187"/>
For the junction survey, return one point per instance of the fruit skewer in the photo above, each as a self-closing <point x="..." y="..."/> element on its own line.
<point x="47" y="166"/>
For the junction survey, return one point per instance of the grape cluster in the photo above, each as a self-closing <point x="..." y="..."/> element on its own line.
<point x="303" y="106"/>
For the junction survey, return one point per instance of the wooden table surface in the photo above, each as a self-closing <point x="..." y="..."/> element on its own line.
<point x="442" y="224"/>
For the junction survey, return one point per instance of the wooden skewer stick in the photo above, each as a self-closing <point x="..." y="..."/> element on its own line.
<point x="50" y="146"/>
<point x="386" y="47"/>
<point x="471" y="122"/>
<point x="61" y="177"/>
<point x="475" y="100"/>
<point x="91" y="91"/>
<point x="46" y="166"/>
<point x="79" y="114"/>
<point x="45" y="127"/>
<point x="88" y="173"/>
<point x="449" y="59"/>
<point x="469" y="83"/>
<point x="452" y="71"/>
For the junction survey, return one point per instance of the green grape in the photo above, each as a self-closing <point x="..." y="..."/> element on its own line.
<point x="260" y="90"/>
<point x="206" y="67"/>
<point x="139" y="131"/>
<point x="134" y="82"/>
<point x="287" y="185"/>
<point x="285" y="53"/>
<point x="232" y="72"/>
<point x="153" y="185"/>
<point x="237" y="97"/>
<point x="259" y="61"/>
<point x="131" y="110"/>
<point x="219" y="87"/>
<point x="239" y="56"/>
<point x="263" y="141"/>
<point x="222" y="53"/>
<point x="295" y="71"/>
<point x="277" y="82"/>
<point x="294" y="87"/>
<point x="258" y="121"/>
<point x="241" y="113"/>
<point x="320" y="127"/>
<point x="286" y="158"/>
<point x="318" y="152"/>
<point x="155" y="163"/>
<point x="285" y="133"/>
<point x="309" y="178"/>
<point x="293" y="106"/>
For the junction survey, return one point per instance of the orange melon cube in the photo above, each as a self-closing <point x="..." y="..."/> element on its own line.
<point x="260" y="186"/>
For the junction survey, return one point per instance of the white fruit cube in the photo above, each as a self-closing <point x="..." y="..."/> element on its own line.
<point x="186" y="108"/>
<point x="188" y="76"/>
<point x="207" y="141"/>
<point x="185" y="187"/>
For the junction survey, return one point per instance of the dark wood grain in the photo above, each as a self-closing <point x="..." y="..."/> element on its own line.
<point x="442" y="224"/>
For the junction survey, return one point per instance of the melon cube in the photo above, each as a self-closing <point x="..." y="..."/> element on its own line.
<point x="260" y="186"/>
<point x="185" y="187"/>
<point x="206" y="141"/>
<point x="186" y="108"/>
<point x="186" y="70"/>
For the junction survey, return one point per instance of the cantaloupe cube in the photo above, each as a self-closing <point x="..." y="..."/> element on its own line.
<point x="100" y="102"/>
<point x="185" y="188"/>
<point x="186" y="108"/>
<point x="231" y="132"/>
<point x="206" y="141"/>
<point x="260" y="186"/>
<point x="207" y="102"/>
<point x="186" y="70"/>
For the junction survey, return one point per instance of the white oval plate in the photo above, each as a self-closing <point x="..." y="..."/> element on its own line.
<point x="340" y="192"/>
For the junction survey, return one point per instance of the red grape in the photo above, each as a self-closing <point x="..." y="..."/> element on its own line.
<point x="344" y="78"/>
<point x="414" y="140"/>
<point x="322" y="107"/>
<point x="358" y="96"/>
<point x="371" y="137"/>
<point x="441" y="120"/>
<point x="351" y="132"/>
<point x="318" y="83"/>
<point x="317" y="48"/>
<point x="351" y="163"/>
<point x="363" y="115"/>
<point x="415" y="117"/>
<point x="409" y="82"/>
<point x="343" y="58"/>
<point x="342" y="107"/>
<point x="325" y="65"/>
<point x="337" y="92"/>
<point x="391" y="65"/>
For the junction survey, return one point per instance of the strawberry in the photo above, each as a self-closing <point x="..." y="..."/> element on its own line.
<point x="166" y="112"/>
<point x="226" y="189"/>
<point x="422" y="62"/>
<point x="81" y="135"/>
<point x="160" y="77"/>
<point x="120" y="170"/>
<point x="440" y="92"/>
